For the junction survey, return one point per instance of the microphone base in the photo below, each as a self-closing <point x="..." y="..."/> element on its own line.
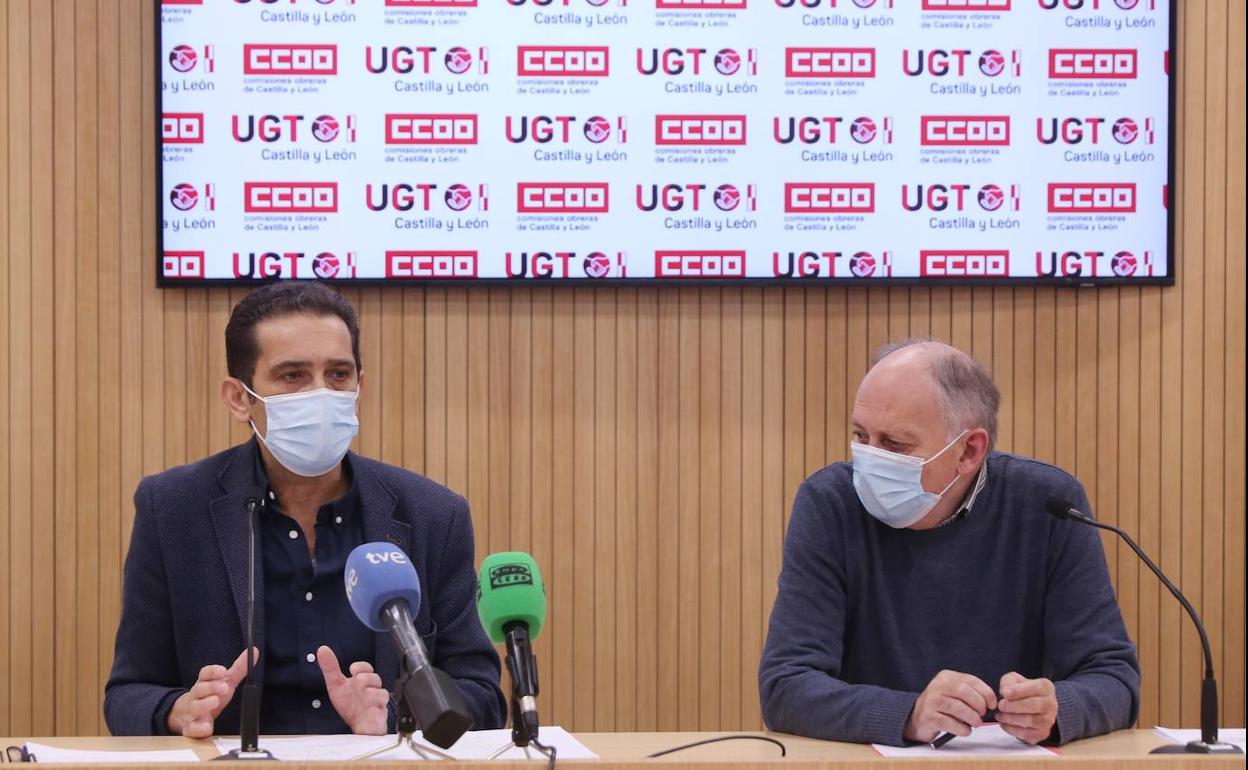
<point x="1198" y="747"/>
<point x="237" y="755"/>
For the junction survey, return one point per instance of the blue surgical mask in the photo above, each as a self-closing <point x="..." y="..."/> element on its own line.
<point x="890" y="485"/>
<point x="309" y="432"/>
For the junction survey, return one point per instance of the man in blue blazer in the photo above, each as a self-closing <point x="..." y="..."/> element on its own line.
<point x="292" y="351"/>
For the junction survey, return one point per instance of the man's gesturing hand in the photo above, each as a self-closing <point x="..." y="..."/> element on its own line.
<point x="194" y="711"/>
<point x="1028" y="707"/>
<point x="952" y="702"/>
<point x="359" y="699"/>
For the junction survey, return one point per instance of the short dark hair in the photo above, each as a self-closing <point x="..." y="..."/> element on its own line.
<point x="275" y="300"/>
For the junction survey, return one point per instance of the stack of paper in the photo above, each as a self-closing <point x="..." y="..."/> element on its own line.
<point x="479" y="744"/>
<point x="45" y="754"/>
<point x="985" y="741"/>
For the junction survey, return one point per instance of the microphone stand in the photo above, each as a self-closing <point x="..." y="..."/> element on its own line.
<point x="405" y="721"/>
<point x="1208" y="743"/>
<point x="249" y="718"/>
<point x="523" y="673"/>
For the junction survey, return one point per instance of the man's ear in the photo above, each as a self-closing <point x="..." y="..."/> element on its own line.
<point x="236" y="399"/>
<point x="975" y="452"/>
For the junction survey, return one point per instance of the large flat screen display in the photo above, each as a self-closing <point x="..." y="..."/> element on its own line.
<point x="574" y="141"/>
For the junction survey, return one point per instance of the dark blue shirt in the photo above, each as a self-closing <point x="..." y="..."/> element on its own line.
<point x="305" y="606"/>
<point x="866" y="614"/>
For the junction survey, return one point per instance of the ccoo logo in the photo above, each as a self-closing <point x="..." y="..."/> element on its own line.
<point x="1093" y="63"/>
<point x="182" y="128"/>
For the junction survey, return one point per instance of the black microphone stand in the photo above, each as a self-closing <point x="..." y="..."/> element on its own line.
<point x="249" y="719"/>
<point x="522" y="670"/>
<point x="1208" y="743"/>
<point x="405" y="721"/>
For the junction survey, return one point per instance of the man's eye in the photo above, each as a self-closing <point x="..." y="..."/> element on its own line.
<point x="291" y="376"/>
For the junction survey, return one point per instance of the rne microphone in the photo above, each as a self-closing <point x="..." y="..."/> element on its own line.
<point x="511" y="603"/>
<point x="1208" y="743"/>
<point x="384" y="591"/>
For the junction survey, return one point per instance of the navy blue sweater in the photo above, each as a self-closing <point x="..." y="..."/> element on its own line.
<point x="866" y="615"/>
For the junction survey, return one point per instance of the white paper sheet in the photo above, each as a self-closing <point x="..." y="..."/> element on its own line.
<point x="45" y="754"/>
<point x="314" y="747"/>
<point x="986" y="741"/>
<point x="478" y="744"/>
<point x="1225" y="735"/>
<point x="483" y="743"/>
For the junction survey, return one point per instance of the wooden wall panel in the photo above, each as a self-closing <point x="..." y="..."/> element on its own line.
<point x="644" y="444"/>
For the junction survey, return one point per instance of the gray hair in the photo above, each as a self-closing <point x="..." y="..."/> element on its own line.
<point x="968" y="396"/>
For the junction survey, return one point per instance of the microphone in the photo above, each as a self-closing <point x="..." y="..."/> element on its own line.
<point x="511" y="603"/>
<point x="1208" y="743"/>
<point x="383" y="590"/>
<point x="249" y="718"/>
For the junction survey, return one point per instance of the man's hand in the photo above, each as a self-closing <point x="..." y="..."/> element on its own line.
<point x="952" y="702"/>
<point x="194" y="711"/>
<point x="359" y="699"/>
<point x="1028" y="708"/>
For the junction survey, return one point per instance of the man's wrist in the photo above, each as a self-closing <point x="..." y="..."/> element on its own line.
<point x="163" y="716"/>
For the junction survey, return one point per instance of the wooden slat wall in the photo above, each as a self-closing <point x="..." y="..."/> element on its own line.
<point x="644" y="444"/>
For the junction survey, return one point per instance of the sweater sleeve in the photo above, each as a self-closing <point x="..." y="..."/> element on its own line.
<point x="1089" y="656"/>
<point x="798" y="675"/>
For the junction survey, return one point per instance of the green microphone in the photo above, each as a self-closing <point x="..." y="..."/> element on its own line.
<point x="511" y="603"/>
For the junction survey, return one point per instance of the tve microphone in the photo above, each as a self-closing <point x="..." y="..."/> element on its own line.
<point x="1208" y="743"/>
<point x="383" y="590"/>
<point x="249" y="719"/>
<point x="511" y="602"/>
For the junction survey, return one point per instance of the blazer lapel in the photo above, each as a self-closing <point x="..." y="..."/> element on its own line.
<point x="377" y="506"/>
<point x="229" y="521"/>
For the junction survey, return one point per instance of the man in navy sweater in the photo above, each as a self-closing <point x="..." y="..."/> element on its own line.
<point x="924" y="585"/>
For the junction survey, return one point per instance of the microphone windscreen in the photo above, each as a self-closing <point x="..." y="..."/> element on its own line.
<point x="1058" y="507"/>
<point x="377" y="574"/>
<point x="510" y="589"/>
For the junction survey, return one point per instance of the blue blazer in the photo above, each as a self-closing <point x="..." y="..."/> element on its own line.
<point x="184" y="599"/>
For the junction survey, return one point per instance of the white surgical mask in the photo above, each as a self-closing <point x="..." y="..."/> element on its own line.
<point x="309" y="432"/>
<point x="890" y="485"/>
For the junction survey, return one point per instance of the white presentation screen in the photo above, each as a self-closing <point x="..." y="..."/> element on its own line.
<point x="900" y="141"/>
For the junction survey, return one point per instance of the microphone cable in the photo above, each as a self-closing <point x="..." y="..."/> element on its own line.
<point x="674" y="749"/>
<point x="549" y="751"/>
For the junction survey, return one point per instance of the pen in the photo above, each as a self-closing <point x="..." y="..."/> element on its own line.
<point x="943" y="738"/>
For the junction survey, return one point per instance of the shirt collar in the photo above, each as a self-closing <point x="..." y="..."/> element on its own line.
<point x="969" y="500"/>
<point x="337" y="512"/>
